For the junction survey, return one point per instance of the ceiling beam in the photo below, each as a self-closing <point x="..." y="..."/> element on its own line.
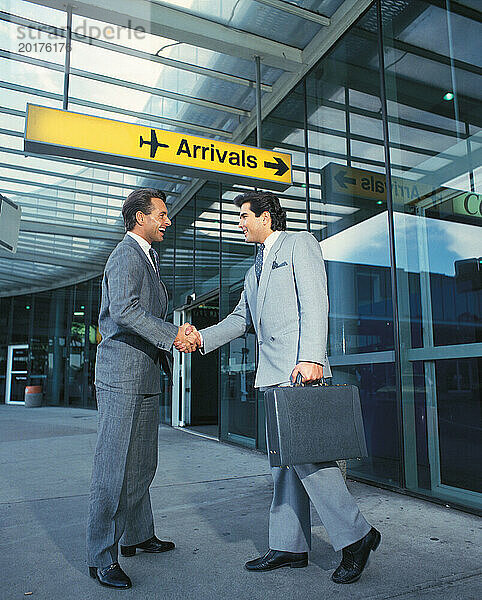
<point x="90" y="232"/>
<point x="59" y="186"/>
<point x="48" y="285"/>
<point x="6" y="273"/>
<point x="91" y="165"/>
<point x="182" y="26"/>
<point x="297" y="11"/>
<point x="162" y="60"/>
<point x="71" y="177"/>
<point x="182" y="125"/>
<point x="154" y="91"/>
<point x="50" y="259"/>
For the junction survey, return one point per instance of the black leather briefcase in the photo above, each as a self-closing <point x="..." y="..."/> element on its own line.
<point x="312" y="424"/>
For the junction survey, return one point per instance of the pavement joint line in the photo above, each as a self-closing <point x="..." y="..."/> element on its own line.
<point x="429" y="585"/>
<point x="152" y="487"/>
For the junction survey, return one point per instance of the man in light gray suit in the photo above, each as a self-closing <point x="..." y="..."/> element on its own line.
<point x="136" y="341"/>
<point x="285" y="298"/>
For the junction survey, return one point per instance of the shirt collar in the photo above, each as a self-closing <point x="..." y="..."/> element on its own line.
<point x="270" y="240"/>
<point x="144" y="244"/>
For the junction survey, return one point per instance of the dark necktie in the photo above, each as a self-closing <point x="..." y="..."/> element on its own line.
<point x="258" y="263"/>
<point x="155" y="260"/>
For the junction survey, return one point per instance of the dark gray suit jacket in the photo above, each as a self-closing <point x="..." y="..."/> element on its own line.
<point x="136" y="339"/>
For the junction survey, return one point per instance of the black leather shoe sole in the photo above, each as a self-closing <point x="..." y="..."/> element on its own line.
<point x="131" y="550"/>
<point x="94" y="575"/>
<point x="299" y="564"/>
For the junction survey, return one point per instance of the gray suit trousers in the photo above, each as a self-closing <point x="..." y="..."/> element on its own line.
<point x="125" y="463"/>
<point x="290" y="518"/>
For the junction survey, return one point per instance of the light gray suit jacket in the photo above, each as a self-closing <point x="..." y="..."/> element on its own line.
<point x="289" y="310"/>
<point x="136" y="339"/>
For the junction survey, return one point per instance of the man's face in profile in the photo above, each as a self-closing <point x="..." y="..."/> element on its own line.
<point x="154" y="224"/>
<point x="255" y="229"/>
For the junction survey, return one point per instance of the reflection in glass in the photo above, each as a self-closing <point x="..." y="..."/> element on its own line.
<point x="434" y="136"/>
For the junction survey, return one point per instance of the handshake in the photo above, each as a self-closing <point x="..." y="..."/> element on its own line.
<point x="188" y="339"/>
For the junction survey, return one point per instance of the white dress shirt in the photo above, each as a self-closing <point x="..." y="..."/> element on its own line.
<point x="268" y="244"/>
<point x="144" y="244"/>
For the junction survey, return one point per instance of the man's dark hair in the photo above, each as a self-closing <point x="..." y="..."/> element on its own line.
<point x="264" y="201"/>
<point x="139" y="200"/>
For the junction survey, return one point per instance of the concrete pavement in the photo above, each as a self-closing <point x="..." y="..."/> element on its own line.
<point x="212" y="499"/>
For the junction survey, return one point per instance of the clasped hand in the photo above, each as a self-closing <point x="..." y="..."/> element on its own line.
<point x="310" y="372"/>
<point x="188" y="339"/>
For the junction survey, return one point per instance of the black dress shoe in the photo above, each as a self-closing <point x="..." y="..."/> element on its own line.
<point x="112" y="576"/>
<point x="150" y="545"/>
<point x="355" y="557"/>
<point x="275" y="559"/>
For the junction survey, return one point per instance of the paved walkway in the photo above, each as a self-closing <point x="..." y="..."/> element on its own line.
<point x="212" y="499"/>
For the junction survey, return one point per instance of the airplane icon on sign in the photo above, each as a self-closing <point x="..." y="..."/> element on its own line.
<point x="153" y="143"/>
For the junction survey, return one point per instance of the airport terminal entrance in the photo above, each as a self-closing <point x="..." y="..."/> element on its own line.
<point x="199" y="398"/>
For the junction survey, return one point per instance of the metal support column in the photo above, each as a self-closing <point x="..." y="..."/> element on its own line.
<point x="307" y="156"/>
<point x="391" y="233"/>
<point x="347" y="127"/>
<point x="68" y="47"/>
<point x="452" y="69"/>
<point x="259" y="137"/>
<point x="469" y="158"/>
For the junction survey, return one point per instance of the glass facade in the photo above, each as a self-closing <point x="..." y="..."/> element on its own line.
<point x="59" y="330"/>
<point x="433" y="112"/>
<point x="385" y="137"/>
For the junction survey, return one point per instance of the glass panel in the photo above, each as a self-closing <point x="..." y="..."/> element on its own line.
<point x="459" y="422"/>
<point x="17" y="390"/>
<point x="32" y="42"/>
<point x="254" y="17"/>
<point x="204" y="374"/>
<point x="21" y="317"/>
<point x="57" y="346"/>
<point x="39" y="343"/>
<point x="238" y="371"/>
<point x="349" y="217"/>
<point x="94" y="338"/>
<point x="283" y="130"/>
<point x="20" y="359"/>
<point x="207" y="239"/>
<point x="5" y="306"/>
<point x="435" y="138"/>
<point x="184" y="284"/>
<point x="238" y="358"/>
<point x="30" y="75"/>
<point x="377" y="385"/>
<point x="165" y="400"/>
<point x="143" y="71"/>
<point x="35" y="12"/>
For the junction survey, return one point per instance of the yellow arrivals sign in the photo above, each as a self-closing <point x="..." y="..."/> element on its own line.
<point x="64" y="133"/>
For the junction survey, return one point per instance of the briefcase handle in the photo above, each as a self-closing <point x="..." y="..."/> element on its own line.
<point x="299" y="381"/>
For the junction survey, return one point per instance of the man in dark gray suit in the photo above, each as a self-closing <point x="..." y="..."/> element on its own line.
<point x="136" y="341"/>
<point x="285" y="299"/>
